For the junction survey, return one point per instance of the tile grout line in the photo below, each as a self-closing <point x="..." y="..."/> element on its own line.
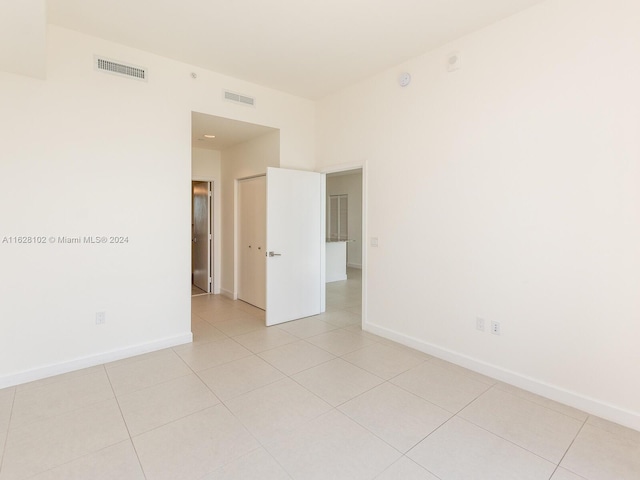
<point x="262" y="444"/>
<point x="303" y="370"/>
<point x="539" y="404"/>
<point x="513" y="442"/>
<point x="71" y="375"/>
<point x="59" y="414"/>
<point x="569" y="447"/>
<point x="6" y="436"/>
<point x="125" y="424"/>
<point x="507" y="440"/>
<point x="226" y="407"/>
<point x="89" y="453"/>
<point x="456" y="415"/>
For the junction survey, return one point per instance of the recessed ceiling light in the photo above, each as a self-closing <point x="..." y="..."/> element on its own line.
<point x="209" y="136"/>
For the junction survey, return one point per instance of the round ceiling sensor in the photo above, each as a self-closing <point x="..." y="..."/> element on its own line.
<point x="404" y="79"/>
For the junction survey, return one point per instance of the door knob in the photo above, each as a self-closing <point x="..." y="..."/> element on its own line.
<point x="274" y="254"/>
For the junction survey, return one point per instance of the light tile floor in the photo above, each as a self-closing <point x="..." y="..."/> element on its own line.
<point x="316" y="398"/>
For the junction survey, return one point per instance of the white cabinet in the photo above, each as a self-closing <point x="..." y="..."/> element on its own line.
<point x="336" y="261"/>
<point x="252" y="233"/>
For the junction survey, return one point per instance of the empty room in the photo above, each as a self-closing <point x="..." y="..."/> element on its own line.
<point x="417" y="227"/>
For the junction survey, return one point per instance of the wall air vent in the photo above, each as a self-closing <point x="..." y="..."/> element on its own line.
<point x="121" y="69"/>
<point x="239" y="98"/>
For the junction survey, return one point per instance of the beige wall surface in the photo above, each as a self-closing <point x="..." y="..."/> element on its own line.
<point x="509" y="190"/>
<point x="86" y="153"/>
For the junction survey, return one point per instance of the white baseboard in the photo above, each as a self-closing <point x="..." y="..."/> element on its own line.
<point x="228" y="294"/>
<point x="587" y="404"/>
<point x="354" y="265"/>
<point x="92" y="360"/>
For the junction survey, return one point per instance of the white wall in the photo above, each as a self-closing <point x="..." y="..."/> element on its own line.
<point x="510" y="190"/>
<point x="350" y="185"/>
<point x="206" y="166"/>
<point x="244" y="160"/>
<point x="86" y="153"/>
<point x="23" y="37"/>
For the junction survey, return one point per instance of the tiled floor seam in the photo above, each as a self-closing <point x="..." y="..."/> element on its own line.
<point x="81" y="457"/>
<point x="61" y="414"/>
<point x="374" y="433"/>
<point x="385" y="379"/>
<point x="212" y="366"/>
<point x="472" y="375"/>
<point x="489" y="387"/>
<point x="77" y="374"/>
<point x="265" y="445"/>
<point x="512" y="442"/>
<point x="406" y="454"/>
<point x="161" y="382"/>
<point x="539" y="404"/>
<point x="453" y="414"/>
<point x="236" y="459"/>
<point x="422" y="466"/>
<point x="126" y="426"/>
<point x="569" y="447"/>
<point x="6" y="435"/>
<point x="303" y="370"/>
<point x="243" y="393"/>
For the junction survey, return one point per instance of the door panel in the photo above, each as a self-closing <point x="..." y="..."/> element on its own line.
<point x="296" y="238"/>
<point x="200" y="246"/>
<point x="251" y="241"/>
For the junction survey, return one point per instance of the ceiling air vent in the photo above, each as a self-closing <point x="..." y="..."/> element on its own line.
<point x="239" y="98"/>
<point x="122" y="69"/>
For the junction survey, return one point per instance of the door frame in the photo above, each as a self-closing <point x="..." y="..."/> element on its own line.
<point x="345" y="167"/>
<point x="214" y="246"/>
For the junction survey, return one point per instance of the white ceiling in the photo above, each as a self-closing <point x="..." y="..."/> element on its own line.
<point x="308" y="48"/>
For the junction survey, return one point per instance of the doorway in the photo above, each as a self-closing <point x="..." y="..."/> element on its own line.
<point x="345" y="241"/>
<point x="283" y="212"/>
<point x="201" y="238"/>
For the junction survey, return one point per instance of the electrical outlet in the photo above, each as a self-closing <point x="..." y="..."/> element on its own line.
<point x="495" y="328"/>
<point x="480" y="324"/>
<point x="101" y="318"/>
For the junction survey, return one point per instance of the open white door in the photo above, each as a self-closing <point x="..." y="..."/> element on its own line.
<point x="295" y="244"/>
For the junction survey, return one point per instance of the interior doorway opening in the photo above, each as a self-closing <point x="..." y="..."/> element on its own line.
<point x="201" y="238"/>
<point x="345" y="249"/>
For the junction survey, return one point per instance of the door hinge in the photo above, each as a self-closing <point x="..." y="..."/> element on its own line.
<point x="210" y="237"/>
<point x="210" y="193"/>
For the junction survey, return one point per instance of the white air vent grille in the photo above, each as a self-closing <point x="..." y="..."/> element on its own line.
<point x="239" y="98"/>
<point x="122" y="69"/>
